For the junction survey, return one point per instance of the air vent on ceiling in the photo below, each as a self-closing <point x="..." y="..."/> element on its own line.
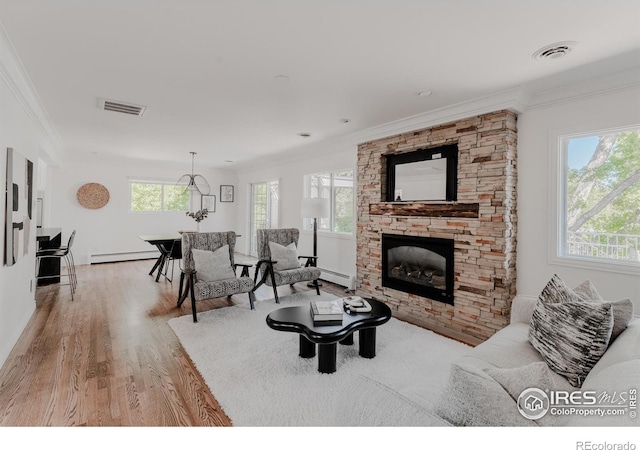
<point x="121" y="107"/>
<point x="553" y="51"/>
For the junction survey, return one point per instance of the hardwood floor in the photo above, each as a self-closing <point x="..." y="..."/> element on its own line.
<point x="108" y="358"/>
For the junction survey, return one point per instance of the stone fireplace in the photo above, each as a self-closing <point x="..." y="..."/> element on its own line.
<point x="480" y="223"/>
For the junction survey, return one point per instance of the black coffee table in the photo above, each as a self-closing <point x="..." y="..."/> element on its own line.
<point x="298" y="319"/>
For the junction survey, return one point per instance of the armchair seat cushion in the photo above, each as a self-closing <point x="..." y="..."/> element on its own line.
<point x="222" y="288"/>
<point x="292" y="276"/>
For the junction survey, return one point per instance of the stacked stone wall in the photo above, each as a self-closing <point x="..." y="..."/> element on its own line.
<point x="482" y="223"/>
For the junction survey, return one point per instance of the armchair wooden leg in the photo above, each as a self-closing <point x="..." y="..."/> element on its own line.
<point x="315" y="283"/>
<point x="252" y="299"/>
<point x="183" y="293"/>
<point x="275" y="288"/>
<point x="180" y="299"/>
<point x="193" y="299"/>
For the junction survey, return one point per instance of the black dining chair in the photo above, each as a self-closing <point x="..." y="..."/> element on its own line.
<point x="63" y="253"/>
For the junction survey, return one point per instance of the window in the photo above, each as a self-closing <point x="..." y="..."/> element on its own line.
<point x="600" y="201"/>
<point x="338" y="188"/>
<point x="147" y="196"/>
<point x="265" y="198"/>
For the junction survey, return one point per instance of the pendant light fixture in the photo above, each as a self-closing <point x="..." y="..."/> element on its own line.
<point x="194" y="182"/>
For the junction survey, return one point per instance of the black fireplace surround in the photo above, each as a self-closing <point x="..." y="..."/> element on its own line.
<point x="418" y="265"/>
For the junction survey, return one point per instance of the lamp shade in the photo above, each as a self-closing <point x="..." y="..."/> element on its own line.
<point x="314" y="208"/>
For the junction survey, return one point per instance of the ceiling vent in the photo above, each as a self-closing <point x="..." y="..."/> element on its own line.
<point x="554" y="51"/>
<point x="121" y="107"/>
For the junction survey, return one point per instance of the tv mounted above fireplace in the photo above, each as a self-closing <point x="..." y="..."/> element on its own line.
<point x="423" y="174"/>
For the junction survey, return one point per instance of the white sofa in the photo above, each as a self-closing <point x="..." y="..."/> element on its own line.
<point x="472" y="398"/>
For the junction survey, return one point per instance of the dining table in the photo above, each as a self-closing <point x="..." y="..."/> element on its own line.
<point x="165" y="243"/>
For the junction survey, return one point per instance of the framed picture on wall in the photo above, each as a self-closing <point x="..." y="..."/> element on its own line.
<point x="208" y="202"/>
<point x="226" y="193"/>
<point x="19" y="206"/>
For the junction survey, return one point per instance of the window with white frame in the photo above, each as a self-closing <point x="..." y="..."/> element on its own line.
<point x="599" y="208"/>
<point x="338" y="187"/>
<point x="157" y="196"/>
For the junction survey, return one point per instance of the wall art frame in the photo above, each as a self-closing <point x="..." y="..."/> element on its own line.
<point x="208" y="202"/>
<point x="19" y="206"/>
<point x="226" y="193"/>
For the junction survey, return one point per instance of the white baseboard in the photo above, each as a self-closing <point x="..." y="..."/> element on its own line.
<point x="122" y="256"/>
<point x="348" y="281"/>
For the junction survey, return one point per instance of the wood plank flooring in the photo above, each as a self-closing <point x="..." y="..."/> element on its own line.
<point x="108" y="358"/>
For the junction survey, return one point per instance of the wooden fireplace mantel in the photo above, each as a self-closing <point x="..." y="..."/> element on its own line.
<point x="466" y="210"/>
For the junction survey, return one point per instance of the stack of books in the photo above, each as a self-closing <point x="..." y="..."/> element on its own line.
<point x="327" y="312"/>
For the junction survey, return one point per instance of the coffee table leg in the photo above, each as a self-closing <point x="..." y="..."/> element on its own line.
<point x="368" y="342"/>
<point x="348" y="340"/>
<point x="307" y="348"/>
<point x="327" y="358"/>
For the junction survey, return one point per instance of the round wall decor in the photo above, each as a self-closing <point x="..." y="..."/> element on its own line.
<point x="93" y="195"/>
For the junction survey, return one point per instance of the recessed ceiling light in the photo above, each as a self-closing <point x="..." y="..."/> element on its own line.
<point x="554" y="51"/>
<point x="424" y="93"/>
<point x="282" y="78"/>
<point x="228" y="161"/>
<point x="345" y="120"/>
<point x="304" y="135"/>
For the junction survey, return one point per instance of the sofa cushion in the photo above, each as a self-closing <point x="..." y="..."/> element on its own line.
<point x="213" y="265"/>
<point x="473" y="398"/>
<point x="617" y="381"/>
<point x="286" y="257"/>
<point x="518" y="379"/>
<point x="625" y="348"/>
<point x="571" y="336"/>
<point x="371" y="407"/>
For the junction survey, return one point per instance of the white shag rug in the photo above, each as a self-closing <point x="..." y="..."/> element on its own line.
<point x="258" y="378"/>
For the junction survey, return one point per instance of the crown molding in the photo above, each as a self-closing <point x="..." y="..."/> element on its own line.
<point x="570" y="92"/>
<point x="15" y="77"/>
<point x="511" y="99"/>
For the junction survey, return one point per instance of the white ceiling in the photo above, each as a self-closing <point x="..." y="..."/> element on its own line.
<point x="207" y="70"/>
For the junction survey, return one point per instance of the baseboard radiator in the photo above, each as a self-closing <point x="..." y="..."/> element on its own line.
<point x="99" y="258"/>
<point x="348" y="281"/>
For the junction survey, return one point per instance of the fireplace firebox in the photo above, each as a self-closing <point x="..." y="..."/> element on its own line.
<point x="418" y="265"/>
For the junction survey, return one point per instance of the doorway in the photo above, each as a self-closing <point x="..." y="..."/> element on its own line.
<point x="264" y="212"/>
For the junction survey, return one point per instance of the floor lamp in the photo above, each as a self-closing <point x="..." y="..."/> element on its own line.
<point x="315" y="208"/>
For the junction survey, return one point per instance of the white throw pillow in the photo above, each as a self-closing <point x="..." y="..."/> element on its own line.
<point x="286" y="257"/>
<point x="213" y="265"/>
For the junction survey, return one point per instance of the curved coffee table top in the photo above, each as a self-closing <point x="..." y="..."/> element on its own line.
<point x="298" y="319"/>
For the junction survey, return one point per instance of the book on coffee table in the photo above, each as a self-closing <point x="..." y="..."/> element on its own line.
<point x="326" y="312"/>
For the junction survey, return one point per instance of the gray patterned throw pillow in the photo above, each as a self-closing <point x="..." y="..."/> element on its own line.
<point x="571" y="336"/>
<point x="286" y="257"/>
<point x="213" y="265"/>
<point x="556" y="291"/>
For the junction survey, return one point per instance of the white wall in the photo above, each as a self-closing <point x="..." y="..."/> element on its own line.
<point x="113" y="228"/>
<point x="17" y="301"/>
<point x="336" y="253"/>
<point x="537" y="129"/>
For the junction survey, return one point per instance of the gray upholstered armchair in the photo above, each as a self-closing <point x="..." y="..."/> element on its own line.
<point x="279" y="260"/>
<point x="208" y="269"/>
